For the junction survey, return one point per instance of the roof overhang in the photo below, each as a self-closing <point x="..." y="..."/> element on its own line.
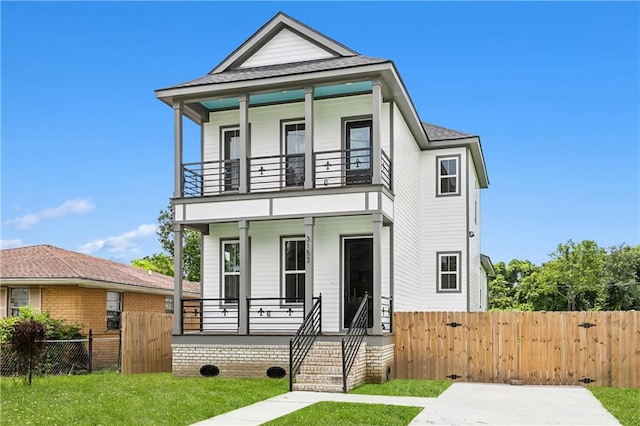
<point x="393" y="88"/>
<point x="475" y="147"/>
<point x="82" y="282"/>
<point x="487" y="265"/>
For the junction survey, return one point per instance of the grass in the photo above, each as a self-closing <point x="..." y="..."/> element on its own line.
<point x="623" y="403"/>
<point x="344" y="413"/>
<point x="138" y="399"/>
<point x="403" y="387"/>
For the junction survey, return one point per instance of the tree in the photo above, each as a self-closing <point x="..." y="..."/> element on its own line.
<point x="506" y="286"/>
<point x="622" y="278"/>
<point x="163" y="262"/>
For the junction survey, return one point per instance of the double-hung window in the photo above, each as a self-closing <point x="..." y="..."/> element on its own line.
<point x="293" y="269"/>
<point x="114" y="310"/>
<point x="168" y="305"/>
<point x="19" y="297"/>
<point x="448" y="175"/>
<point x="231" y="271"/>
<point x="448" y="272"/>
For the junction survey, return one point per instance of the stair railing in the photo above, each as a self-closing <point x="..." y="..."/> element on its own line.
<point x="301" y="343"/>
<point x="353" y="339"/>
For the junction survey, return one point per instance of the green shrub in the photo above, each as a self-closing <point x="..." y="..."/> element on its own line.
<point x="55" y="328"/>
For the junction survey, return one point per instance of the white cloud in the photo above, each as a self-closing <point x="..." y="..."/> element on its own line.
<point x="75" y="206"/>
<point x="123" y="245"/>
<point x="7" y="244"/>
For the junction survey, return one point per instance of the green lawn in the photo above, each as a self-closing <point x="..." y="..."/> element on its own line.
<point x="404" y="387"/>
<point x="623" y="403"/>
<point x="351" y="414"/>
<point x="138" y="399"/>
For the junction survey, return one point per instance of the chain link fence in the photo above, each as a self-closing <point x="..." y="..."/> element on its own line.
<point x="79" y="356"/>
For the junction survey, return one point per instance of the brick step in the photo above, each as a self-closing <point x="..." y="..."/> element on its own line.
<point x="320" y="361"/>
<point x="321" y="369"/>
<point x="317" y="387"/>
<point x="330" y="379"/>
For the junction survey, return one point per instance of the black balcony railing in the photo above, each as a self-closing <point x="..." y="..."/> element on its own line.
<point x="199" y="315"/>
<point x="386" y="314"/>
<point x="284" y="172"/>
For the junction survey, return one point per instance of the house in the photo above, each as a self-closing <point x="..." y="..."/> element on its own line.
<point x="82" y="289"/>
<point x="317" y="183"/>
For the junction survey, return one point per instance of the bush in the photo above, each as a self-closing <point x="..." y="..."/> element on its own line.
<point x="55" y="328"/>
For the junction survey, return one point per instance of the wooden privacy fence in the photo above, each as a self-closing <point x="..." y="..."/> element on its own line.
<point x="561" y="348"/>
<point x="146" y="342"/>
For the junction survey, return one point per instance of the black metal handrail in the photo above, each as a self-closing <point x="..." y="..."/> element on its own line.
<point x="342" y="167"/>
<point x="200" y="315"/>
<point x="276" y="172"/>
<point x="353" y="339"/>
<point x="301" y="343"/>
<point x="386" y="171"/>
<point x="387" y="313"/>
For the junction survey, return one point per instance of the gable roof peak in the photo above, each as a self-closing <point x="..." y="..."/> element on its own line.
<point x="271" y="29"/>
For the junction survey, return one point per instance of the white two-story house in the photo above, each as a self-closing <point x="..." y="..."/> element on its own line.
<point x="317" y="187"/>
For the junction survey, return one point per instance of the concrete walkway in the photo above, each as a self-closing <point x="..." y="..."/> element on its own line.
<point x="462" y="403"/>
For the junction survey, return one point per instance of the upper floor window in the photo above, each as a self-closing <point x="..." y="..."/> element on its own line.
<point x="293" y="269"/>
<point x="18" y="298"/>
<point x="231" y="155"/>
<point x="358" y="136"/>
<point x="448" y="272"/>
<point x="448" y="175"/>
<point x="294" y="153"/>
<point x="114" y="310"/>
<point x="231" y="271"/>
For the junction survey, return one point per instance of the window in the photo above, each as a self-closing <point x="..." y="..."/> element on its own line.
<point x="448" y="272"/>
<point x="168" y="305"/>
<point x="19" y="298"/>
<point x="293" y="262"/>
<point x="114" y="310"/>
<point x="448" y="182"/>
<point x="231" y="271"/>
<point x="231" y="138"/>
<point x="294" y="154"/>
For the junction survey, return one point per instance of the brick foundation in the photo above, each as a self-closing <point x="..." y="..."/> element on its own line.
<point x="380" y="363"/>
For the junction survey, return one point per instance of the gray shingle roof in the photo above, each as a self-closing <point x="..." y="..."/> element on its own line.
<point x="439" y="133"/>
<point x="243" y="74"/>
<point x="46" y="261"/>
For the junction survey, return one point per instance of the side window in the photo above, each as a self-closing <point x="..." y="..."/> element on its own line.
<point x="448" y="176"/>
<point x="293" y="269"/>
<point x="448" y="272"/>
<point x="168" y="305"/>
<point x="231" y="271"/>
<point x="114" y="310"/>
<point x="18" y="298"/>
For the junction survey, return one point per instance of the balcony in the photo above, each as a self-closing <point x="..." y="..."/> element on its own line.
<point x="331" y="169"/>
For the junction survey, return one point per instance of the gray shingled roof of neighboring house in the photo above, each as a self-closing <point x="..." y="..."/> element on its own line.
<point x="243" y="74"/>
<point x="438" y="133"/>
<point x="49" y="262"/>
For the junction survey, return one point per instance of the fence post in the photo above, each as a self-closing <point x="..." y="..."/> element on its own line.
<point x="90" y="351"/>
<point x="120" y="348"/>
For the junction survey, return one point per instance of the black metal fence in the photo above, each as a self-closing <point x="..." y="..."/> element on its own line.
<point x="65" y="357"/>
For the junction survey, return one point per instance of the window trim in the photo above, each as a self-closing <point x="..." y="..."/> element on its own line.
<point x="223" y="274"/>
<point x="10" y="306"/>
<point x="439" y="177"/>
<point x="458" y="255"/>
<point x="283" y="272"/>
<point x="119" y="312"/>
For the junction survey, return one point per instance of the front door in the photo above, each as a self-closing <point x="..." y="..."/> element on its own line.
<point x="358" y="276"/>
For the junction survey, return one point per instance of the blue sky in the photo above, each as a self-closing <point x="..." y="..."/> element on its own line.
<point x="551" y="88"/>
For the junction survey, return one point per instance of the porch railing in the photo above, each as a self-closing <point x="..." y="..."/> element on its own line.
<point x="284" y="172"/>
<point x="387" y="314"/>
<point x="301" y="343"/>
<point x="200" y="315"/>
<point x="274" y="314"/>
<point x="353" y="339"/>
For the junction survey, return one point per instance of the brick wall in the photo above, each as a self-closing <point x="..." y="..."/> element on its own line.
<point x="379" y="359"/>
<point x="232" y="360"/>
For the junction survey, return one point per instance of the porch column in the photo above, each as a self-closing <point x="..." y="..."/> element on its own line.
<point x="376" y="159"/>
<point x="177" y="146"/>
<point x="376" y="328"/>
<point x="244" y="139"/>
<point x="177" y="279"/>
<point x="244" y="291"/>
<point x="309" y="223"/>
<point x="308" y="137"/>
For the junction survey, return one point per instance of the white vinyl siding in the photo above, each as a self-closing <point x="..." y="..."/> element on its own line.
<point x="407" y="219"/>
<point x="477" y="289"/>
<point x="285" y="47"/>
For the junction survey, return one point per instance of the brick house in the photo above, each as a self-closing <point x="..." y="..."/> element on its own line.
<point x="82" y="288"/>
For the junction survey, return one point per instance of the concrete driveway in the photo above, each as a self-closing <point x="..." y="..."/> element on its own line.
<point x="461" y="404"/>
